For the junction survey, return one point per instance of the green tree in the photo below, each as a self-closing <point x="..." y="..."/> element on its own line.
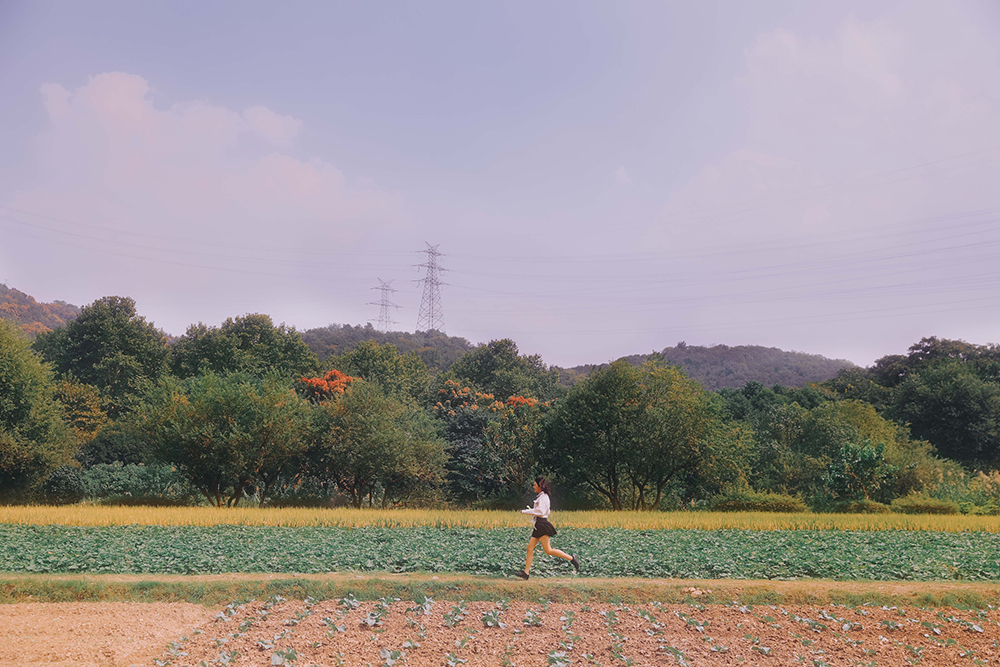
<point x="398" y="375"/>
<point x="951" y="406"/>
<point x="34" y="440"/>
<point x="497" y="368"/>
<point x="376" y="447"/>
<point x="510" y="445"/>
<point x="251" y="344"/>
<point x="229" y="436"/>
<point x="629" y="432"/>
<point x="110" y="347"/>
<point x="859" y="471"/>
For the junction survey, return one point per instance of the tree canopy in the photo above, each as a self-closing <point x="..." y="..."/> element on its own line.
<point x="250" y="344"/>
<point x="34" y="440"/>
<point x="110" y="347"/>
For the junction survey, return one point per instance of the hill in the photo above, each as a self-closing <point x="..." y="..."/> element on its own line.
<point x="438" y="350"/>
<point x="33" y="317"/>
<point x="722" y="366"/>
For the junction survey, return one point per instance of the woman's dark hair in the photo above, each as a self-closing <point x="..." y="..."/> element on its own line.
<point x="543" y="484"/>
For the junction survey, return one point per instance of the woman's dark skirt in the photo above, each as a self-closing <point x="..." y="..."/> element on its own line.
<point x="542" y="528"/>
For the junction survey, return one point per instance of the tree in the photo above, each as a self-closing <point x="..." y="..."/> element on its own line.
<point x="464" y="415"/>
<point x="34" y="440"/>
<point x="229" y="436"/>
<point x="110" y="347"/>
<point x="251" y="344"/>
<point x="629" y="432"/>
<point x="859" y="471"/>
<point x="956" y="410"/>
<point x="81" y="408"/>
<point x="511" y="441"/>
<point x="397" y="375"/>
<point x="318" y="391"/>
<point x="376" y="447"/>
<point x="498" y="369"/>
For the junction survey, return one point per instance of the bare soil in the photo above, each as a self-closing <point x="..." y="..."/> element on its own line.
<point x="645" y="634"/>
<point x="582" y="633"/>
<point x="85" y="634"/>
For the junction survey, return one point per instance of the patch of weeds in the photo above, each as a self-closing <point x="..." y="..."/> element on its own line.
<point x="424" y="606"/>
<point x="390" y="658"/>
<point x="532" y="618"/>
<point x="452" y="660"/>
<point x="455" y="615"/>
<point x="559" y="659"/>
<point x="491" y="619"/>
<point x="284" y="658"/>
<point x="678" y="654"/>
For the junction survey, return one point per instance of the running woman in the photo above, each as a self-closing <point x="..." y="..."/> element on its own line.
<point x="543" y="529"/>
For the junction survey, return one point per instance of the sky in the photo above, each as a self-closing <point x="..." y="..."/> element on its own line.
<point x="600" y="178"/>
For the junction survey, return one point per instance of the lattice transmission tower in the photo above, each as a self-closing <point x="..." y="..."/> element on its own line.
<point x="431" y="316"/>
<point x="385" y="321"/>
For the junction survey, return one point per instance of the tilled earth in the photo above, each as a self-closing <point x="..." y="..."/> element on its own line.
<point x="450" y="633"/>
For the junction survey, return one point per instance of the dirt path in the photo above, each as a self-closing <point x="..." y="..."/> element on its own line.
<point x="86" y="634"/>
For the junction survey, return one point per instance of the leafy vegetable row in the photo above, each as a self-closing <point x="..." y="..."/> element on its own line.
<point x="738" y="554"/>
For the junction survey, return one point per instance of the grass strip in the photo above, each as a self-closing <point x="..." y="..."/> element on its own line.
<point x="683" y="554"/>
<point x="217" y="590"/>
<point x="98" y="515"/>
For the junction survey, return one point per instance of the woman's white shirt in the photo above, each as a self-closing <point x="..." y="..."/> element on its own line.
<point x="541" y="507"/>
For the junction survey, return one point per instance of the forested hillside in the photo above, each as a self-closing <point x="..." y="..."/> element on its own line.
<point x="721" y="366"/>
<point x="438" y="350"/>
<point x="107" y="408"/>
<point x="32" y="317"/>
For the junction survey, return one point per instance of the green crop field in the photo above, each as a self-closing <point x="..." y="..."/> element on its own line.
<point x="687" y="554"/>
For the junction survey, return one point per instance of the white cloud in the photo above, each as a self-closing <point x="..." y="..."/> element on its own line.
<point x="142" y="175"/>
<point x="877" y="124"/>
<point x="274" y="127"/>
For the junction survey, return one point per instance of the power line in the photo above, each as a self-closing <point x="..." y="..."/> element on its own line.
<point x="385" y="321"/>
<point x="431" y="315"/>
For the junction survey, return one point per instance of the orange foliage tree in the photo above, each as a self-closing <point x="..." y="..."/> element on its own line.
<point x="320" y="390"/>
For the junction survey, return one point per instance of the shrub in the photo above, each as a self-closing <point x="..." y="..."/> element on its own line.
<point x="137" y="484"/>
<point x="919" y="504"/>
<point x="755" y="501"/>
<point x="858" y="507"/>
<point x="64" y="486"/>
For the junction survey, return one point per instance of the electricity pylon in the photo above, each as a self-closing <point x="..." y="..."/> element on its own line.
<point x="431" y="316"/>
<point x="385" y="321"/>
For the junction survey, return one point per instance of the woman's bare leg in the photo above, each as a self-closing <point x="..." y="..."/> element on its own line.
<point x="549" y="549"/>
<point x="531" y="552"/>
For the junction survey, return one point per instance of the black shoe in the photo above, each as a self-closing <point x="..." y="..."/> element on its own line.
<point x="522" y="574"/>
<point x="576" y="562"/>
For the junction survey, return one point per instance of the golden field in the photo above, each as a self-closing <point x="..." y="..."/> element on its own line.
<point x="96" y="515"/>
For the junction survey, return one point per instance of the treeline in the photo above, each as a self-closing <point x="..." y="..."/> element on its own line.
<point x="106" y="409"/>
<point x="724" y="367"/>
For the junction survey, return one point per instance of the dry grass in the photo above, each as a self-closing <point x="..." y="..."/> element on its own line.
<point x="93" y="515"/>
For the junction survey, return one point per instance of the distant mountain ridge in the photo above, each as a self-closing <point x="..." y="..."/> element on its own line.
<point x="33" y="317"/>
<point x="714" y="367"/>
<point x="722" y="366"/>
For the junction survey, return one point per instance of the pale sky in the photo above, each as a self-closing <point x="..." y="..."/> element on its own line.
<point x="603" y="179"/>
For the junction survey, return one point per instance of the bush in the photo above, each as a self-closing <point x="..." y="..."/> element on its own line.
<point x="755" y="501"/>
<point x="304" y="492"/>
<point x="919" y="504"/>
<point x="137" y="484"/>
<point x="858" y="507"/>
<point x="64" y="486"/>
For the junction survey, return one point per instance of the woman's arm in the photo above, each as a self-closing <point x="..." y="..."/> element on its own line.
<point x="541" y="507"/>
